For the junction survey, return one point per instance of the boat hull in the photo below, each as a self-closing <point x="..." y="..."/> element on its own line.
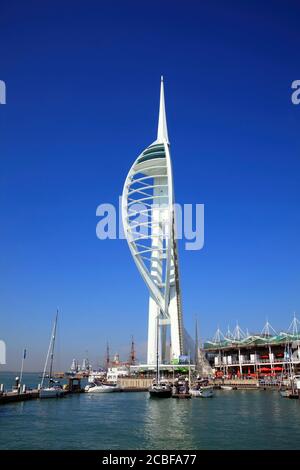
<point x="181" y="396"/>
<point x="288" y="393"/>
<point x="103" y="389"/>
<point x="202" y="393"/>
<point x="51" y="393"/>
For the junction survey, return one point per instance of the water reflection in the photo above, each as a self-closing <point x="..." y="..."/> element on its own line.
<point x="232" y="420"/>
<point x="167" y="424"/>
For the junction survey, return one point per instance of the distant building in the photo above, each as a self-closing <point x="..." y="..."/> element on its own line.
<point x="74" y="366"/>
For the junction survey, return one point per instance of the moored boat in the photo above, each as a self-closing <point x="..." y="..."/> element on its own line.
<point x="54" y="389"/>
<point x="102" y="388"/>
<point x="51" y="392"/>
<point x="226" y="387"/>
<point x="288" y="393"/>
<point x="202" y="389"/>
<point x="160" y="390"/>
<point x="202" y="392"/>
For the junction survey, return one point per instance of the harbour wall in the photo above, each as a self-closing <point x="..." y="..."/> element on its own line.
<point x="237" y="383"/>
<point x="134" y="384"/>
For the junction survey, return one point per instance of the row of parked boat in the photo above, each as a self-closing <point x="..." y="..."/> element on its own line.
<point x="161" y="389"/>
<point x="181" y="389"/>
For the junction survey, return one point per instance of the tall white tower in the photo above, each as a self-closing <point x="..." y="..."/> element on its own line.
<point x="150" y="229"/>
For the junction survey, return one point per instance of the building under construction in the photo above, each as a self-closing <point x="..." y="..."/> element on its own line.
<point x="265" y="354"/>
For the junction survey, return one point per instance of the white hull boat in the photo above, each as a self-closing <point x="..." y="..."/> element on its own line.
<point x="203" y="392"/>
<point x="103" y="388"/>
<point x="51" y="392"/>
<point x="226" y="387"/>
<point x="160" y="390"/>
<point x="285" y="393"/>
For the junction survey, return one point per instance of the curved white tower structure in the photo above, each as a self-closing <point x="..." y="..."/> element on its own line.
<point x="149" y="226"/>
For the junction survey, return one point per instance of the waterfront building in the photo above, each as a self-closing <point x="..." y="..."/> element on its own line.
<point x="260" y="354"/>
<point x="116" y="372"/>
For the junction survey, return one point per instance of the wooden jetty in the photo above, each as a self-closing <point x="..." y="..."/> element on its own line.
<point x="14" y="397"/>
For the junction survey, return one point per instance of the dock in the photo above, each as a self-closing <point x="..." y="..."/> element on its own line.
<point x="73" y="386"/>
<point x="237" y="384"/>
<point x="13" y="397"/>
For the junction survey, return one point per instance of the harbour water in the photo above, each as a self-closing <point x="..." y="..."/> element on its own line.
<point x="248" y="419"/>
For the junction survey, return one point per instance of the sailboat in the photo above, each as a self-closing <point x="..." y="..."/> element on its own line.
<point x="53" y="390"/>
<point x="159" y="388"/>
<point x="181" y="386"/>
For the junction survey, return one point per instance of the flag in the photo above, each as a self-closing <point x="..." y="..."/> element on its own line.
<point x="24" y="355"/>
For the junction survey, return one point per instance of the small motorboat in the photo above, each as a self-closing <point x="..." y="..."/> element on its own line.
<point x="284" y="392"/>
<point x="288" y="393"/>
<point x="202" y="389"/>
<point x="226" y="387"/>
<point x="102" y="388"/>
<point x="160" y="390"/>
<point x="202" y="392"/>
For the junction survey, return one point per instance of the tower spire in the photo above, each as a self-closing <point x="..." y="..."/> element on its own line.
<point x="162" y="130"/>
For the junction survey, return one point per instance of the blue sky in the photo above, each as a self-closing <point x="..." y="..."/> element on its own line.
<point x="82" y="102"/>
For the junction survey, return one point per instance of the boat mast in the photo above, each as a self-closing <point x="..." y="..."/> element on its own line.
<point x="52" y="349"/>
